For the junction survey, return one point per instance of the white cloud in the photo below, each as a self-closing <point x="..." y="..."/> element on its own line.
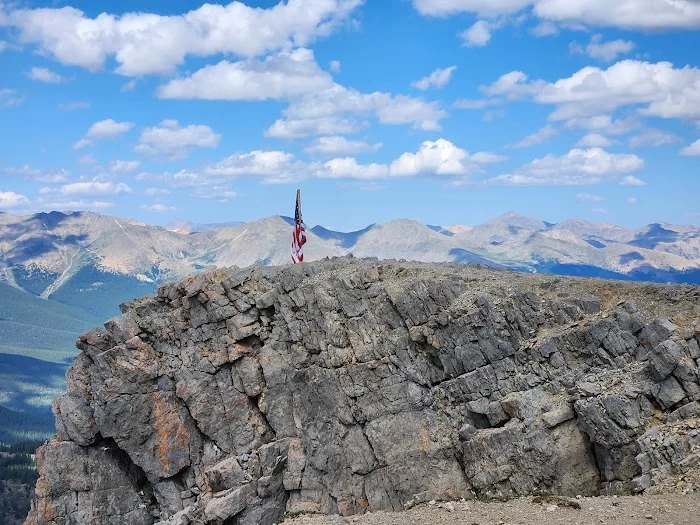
<point x="484" y="157"/>
<point x="478" y="35"/>
<point x="606" y="51"/>
<point x="129" y="86"/>
<point x="339" y="101"/>
<point x="124" y="166"/>
<point x="171" y="141"/>
<point x="42" y="74"/>
<point x="443" y="8"/>
<point x="594" y="140"/>
<point x="272" y="166"/>
<point x="652" y="138"/>
<point x="152" y="192"/>
<point x="108" y="128"/>
<point x="437" y="79"/>
<point x="277" y="77"/>
<point x="94" y="188"/>
<point x="335" y="66"/>
<point x="601" y="211"/>
<point x="631" y="180"/>
<point x="3" y="46"/>
<point x="300" y="128"/>
<point x="657" y="89"/>
<point x="603" y="124"/>
<point x="87" y="159"/>
<point x="158" y="208"/>
<point x="51" y="176"/>
<point x="146" y="43"/>
<point x="440" y="157"/>
<point x="632" y="200"/>
<point x="544" y="29"/>
<point x="693" y="150"/>
<point x="628" y="14"/>
<point x="72" y="106"/>
<point x="577" y="167"/>
<point x="587" y="197"/>
<point x="539" y="137"/>
<point x="337" y="145"/>
<point x="9" y="98"/>
<point x="349" y="168"/>
<point x="10" y="199"/>
<point x="103" y="129"/>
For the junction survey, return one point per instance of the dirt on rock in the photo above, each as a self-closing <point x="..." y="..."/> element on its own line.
<point x="672" y="509"/>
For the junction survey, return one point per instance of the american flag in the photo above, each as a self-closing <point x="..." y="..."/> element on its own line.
<point x="299" y="235"/>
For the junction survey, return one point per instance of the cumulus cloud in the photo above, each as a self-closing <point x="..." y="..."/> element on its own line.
<point x="277" y="77"/>
<point x="333" y="105"/>
<point x="437" y="79"/>
<point x="42" y="74"/>
<point x="306" y="127"/>
<point x="104" y="129"/>
<point x="594" y="140"/>
<point x="50" y="176"/>
<point x="128" y="86"/>
<point x="146" y="43"/>
<point x="605" y="51"/>
<point x="169" y="140"/>
<point x="693" y="150"/>
<point x="631" y="180"/>
<point x="603" y="124"/>
<point x="124" y="166"/>
<point x="338" y="145"/>
<point x="656" y="89"/>
<point x="544" y="29"/>
<point x="539" y="137"/>
<point x="577" y="167"/>
<point x="652" y="138"/>
<point x="272" y="166"/>
<point x="10" y="199"/>
<point x="478" y="35"/>
<point x="434" y="158"/>
<point x="335" y="66"/>
<point x="601" y="211"/>
<point x="632" y="200"/>
<point x="442" y="8"/>
<point x="95" y="188"/>
<point x="628" y="14"/>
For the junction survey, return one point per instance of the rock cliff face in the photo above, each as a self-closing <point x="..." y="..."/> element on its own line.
<point x="345" y="386"/>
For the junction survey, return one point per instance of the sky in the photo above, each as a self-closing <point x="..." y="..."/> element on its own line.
<point x="445" y="111"/>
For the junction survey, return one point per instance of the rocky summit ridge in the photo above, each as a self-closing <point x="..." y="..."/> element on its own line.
<point x="345" y="386"/>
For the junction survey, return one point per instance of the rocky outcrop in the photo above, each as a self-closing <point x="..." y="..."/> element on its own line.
<point x="347" y="386"/>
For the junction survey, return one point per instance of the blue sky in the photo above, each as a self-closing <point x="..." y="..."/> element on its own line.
<point x="446" y="111"/>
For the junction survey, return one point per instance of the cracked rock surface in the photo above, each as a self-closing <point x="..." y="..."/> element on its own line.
<point x="346" y="386"/>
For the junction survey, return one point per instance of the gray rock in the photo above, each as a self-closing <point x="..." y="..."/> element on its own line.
<point x="346" y="386"/>
<point x="669" y="393"/>
<point x="664" y="359"/>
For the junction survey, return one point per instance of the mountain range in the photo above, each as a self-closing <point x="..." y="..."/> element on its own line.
<point x="45" y="253"/>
